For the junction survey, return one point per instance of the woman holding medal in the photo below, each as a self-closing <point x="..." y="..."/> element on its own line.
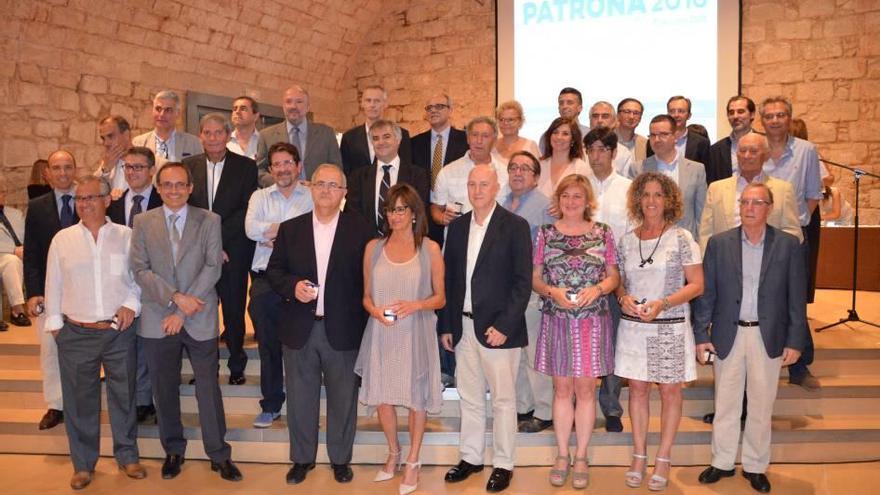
<point x="661" y="271"/>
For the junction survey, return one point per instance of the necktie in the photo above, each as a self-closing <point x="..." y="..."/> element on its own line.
<point x="135" y="208"/>
<point x="9" y="228"/>
<point x="437" y="160"/>
<point x="295" y="139"/>
<point x="161" y="148"/>
<point x="175" y="235"/>
<point x="66" y="211"/>
<point x="383" y="192"/>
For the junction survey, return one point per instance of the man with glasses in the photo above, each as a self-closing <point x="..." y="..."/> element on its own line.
<point x="91" y="302"/>
<point x="321" y="322"/>
<point x="629" y="116"/>
<point x="167" y="143"/>
<point x="267" y="209"/>
<point x="356" y="146"/>
<point x="115" y="134"/>
<point x="688" y="143"/>
<point x="139" y="164"/>
<point x="602" y="115"/>
<point x="723" y="154"/>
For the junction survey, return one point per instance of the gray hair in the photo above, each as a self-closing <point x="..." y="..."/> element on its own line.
<point x="482" y="120"/>
<point x="167" y="94"/>
<point x="331" y="166"/>
<point x="385" y="123"/>
<point x="89" y="179"/>
<point x="609" y="105"/>
<point x="217" y="118"/>
<point x="777" y="99"/>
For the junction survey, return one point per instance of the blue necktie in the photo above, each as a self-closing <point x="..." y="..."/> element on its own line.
<point x="66" y="211"/>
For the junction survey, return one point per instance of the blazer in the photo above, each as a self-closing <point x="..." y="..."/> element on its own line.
<point x="718" y="214"/>
<point x="501" y="283"/>
<point x="293" y="259"/>
<point x="198" y="267"/>
<point x="185" y="145"/>
<point x="456" y="147"/>
<point x="719" y="166"/>
<point x="355" y="150"/>
<point x="116" y="211"/>
<point x="782" y="293"/>
<point x="696" y="148"/>
<point x="41" y="223"/>
<point x="237" y="182"/>
<point x="692" y="182"/>
<point x="321" y="147"/>
<point x="361" y="195"/>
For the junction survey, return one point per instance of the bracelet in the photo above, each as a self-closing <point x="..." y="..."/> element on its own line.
<point x="666" y="304"/>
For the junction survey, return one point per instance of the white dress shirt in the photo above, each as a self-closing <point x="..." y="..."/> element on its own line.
<point x="116" y="175"/>
<point x="476" y="234"/>
<point x="251" y="151"/>
<point x="451" y="184"/>
<point x="268" y="206"/>
<point x="86" y="280"/>
<point x="392" y="172"/>
<point x="611" y="196"/>
<point x="214" y="172"/>
<point x="324" y="235"/>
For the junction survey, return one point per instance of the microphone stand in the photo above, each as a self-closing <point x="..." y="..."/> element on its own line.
<point x="852" y="314"/>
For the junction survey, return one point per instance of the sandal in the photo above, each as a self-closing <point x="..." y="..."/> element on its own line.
<point x="405" y="489"/>
<point x="634" y="478"/>
<point x="383" y="475"/>
<point x="558" y="476"/>
<point x="658" y="483"/>
<point x="580" y="479"/>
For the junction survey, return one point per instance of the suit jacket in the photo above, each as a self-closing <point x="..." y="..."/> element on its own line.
<point x="355" y="150"/>
<point x="198" y="267"/>
<point x="692" y="182"/>
<point x="456" y="147"/>
<point x="185" y="145"/>
<point x="719" y="165"/>
<point x="41" y="223"/>
<point x="362" y="192"/>
<point x="718" y="214"/>
<point x="321" y="147"/>
<point x="293" y="259"/>
<point x="782" y="302"/>
<point x="237" y="182"/>
<point x="501" y="283"/>
<point x="116" y="211"/>
<point x="696" y="148"/>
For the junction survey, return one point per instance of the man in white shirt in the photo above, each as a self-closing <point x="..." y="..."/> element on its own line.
<point x="115" y="133"/>
<point x="267" y="208"/>
<point x="91" y="301"/>
<point x="167" y="143"/>
<point x="245" y="138"/>
<point x="602" y="114"/>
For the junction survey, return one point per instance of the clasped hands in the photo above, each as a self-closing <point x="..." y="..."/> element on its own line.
<point x="186" y="303"/>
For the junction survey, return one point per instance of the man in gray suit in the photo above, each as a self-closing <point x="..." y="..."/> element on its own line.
<point x="753" y="316"/>
<point x="315" y="142"/>
<point x="689" y="175"/>
<point x="176" y="257"/>
<point x="167" y="143"/>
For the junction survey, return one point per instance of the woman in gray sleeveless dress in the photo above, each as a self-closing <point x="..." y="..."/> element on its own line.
<point x="399" y="362"/>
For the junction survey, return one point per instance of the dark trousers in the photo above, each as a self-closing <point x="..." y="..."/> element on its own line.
<point x="305" y="368"/>
<point x="264" y="311"/>
<point x="143" y="388"/>
<point x="232" y="291"/>
<point x="81" y="353"/>
<point x="164" y="359"/>
<point x="799" y="368"/>
<point x="609" y="390"/>
<point x="811" y="237"/>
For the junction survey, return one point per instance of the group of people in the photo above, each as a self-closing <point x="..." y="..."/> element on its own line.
<point x="385" y="267"/>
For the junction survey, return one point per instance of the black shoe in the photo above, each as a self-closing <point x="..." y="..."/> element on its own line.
<point x="342" y="473"/>
<point x="613" y="424"/>
<point x="806" y="380"/>
<point x="758" y="481"/>
<point x="297" y="474"/>
<point x="171" y="466"/>
<point x="448" y="381"/>
<point x="499" y="480"/>
<point x="709" y="418"/>
<point x="20" y="320"/>
<point x="227" y="469"/>
<point x="534" y="425"/>
<point x="525" y="416"/>
<point x="712" y="474"/>
<point x="51" y="419"/>
<point x="146" y="414"/>
<point x="192" y="381"/>
<point x="3" y="326"/>
<point x="462" y="471"/>
<point x="237" y="379"/>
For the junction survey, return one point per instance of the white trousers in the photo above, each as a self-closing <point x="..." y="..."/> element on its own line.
<point x="49" y="366"/>
<point x="12" y="274"/>
<point x="746" y="367"/>
<point x="475" y="367"/>
<point x="534" y="391"/>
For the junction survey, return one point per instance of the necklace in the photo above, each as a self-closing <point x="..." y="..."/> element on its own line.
<point x="650" y="259"/>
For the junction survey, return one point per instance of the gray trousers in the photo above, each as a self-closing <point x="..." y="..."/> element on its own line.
<point x="304" y="369"/>
<point x="81" y="353"/>
<point x="164" y="359"/>
<point x="143" y="389"/>
<point x="609" y="390"/>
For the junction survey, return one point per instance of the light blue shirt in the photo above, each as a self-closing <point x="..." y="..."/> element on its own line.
<point x="752" y="256"/>
<point x="181" y="218"/>
<point x="445" y="136"/>
<point x="799" y="165"/>
<point x="681" y="143"/>
<point x="268" y="206"/>
<point x="59" y="203"/>
<point x="532" y="207"/>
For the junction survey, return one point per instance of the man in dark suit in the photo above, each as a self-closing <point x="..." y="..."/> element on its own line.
<point x="694" y="146"/>
<point x="368" y="185"/>
<point x="755" y="321"/>
<point x="356" y="146"/>
<point x="46" y="215"/>
<point x="139" y="165"/>
<point x="488" y="257"/>
<point x="452" y="142"/>
<point x="722" y="154"/>
<point x="223" y="182"/>
<point x="316" y="267"/>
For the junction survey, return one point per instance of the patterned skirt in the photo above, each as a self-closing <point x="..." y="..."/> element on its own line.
<point x="576" y="347"/>
<point x="655" y="352"/>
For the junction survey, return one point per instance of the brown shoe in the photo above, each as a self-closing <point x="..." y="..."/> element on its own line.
<point x="80" y="480"/>
<point x="134" y="470"/>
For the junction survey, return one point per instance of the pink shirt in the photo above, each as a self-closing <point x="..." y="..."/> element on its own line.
<point x="324" y="234"/>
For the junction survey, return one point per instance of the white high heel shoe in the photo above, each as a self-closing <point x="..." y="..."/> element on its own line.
<point x="385" y="476"/>
<point x="407" y="489"/>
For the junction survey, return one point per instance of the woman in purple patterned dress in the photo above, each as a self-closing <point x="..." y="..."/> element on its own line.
<point x="575" y="268"/>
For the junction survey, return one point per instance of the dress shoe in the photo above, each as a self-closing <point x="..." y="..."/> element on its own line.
<point x="709" y="418"/>
<point x="806" y="380"/>
<point x="613" y="424"/>
<point x="758" y="481"/>
<point x="51" y="419"/>
<point x="3" y="326"/>
<point x="712" y="474"/>
<point x="534" y="425"/>
<point x="462" y="471"/>
<point x="297" y="474"/>
<point x="520" y="417"/>
<point x="405" y="489"/>
<point x="80" y="480"/>
<point x="237" y="379"/>
<point x="227" y="469"/>
<point x="342" y="473"/>
<point x="20" y="320"/>
<point x="499" y="480"/>
<point x="171" y="466"/>
<point x="146" y="414"/>
<point x="134" y="470"/>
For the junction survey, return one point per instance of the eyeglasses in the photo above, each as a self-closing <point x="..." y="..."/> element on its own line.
<point x="90" y="197"/>
<point x="436" y="107"/>
<point x="520" y="168"/>
<point x="397" y="210"/>
<point x="333" y="186"/>
<point x="174" y="186"/>
<point x="598" y="149"/>
<point x="634" y="113"/>
<point x="284" y="163"/>
<point x="137" y="167"/>
<point x="754" y="202"/>
<point x="513" y="120"/>
<point x="660" y="135"/>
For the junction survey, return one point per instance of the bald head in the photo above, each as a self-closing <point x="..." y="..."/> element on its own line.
<point x="62" y="170"/>
<point x="295" y="104"/>
<point x="482" y="186"/>
<point x="751" y="153"/>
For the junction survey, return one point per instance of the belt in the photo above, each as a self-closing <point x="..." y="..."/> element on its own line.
<point x="657" y="321"/>
<point x="743" y="323"/>
<point x="319" y="317"/>
<point x="97" y="325"/>
<point x="467" y="314"/>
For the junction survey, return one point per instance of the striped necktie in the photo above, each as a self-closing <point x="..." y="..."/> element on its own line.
<point x="383" y="193"/>
<point x="437" y="160"/>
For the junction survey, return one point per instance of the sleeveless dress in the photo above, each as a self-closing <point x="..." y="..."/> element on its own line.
<point x="400" y="364"/>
